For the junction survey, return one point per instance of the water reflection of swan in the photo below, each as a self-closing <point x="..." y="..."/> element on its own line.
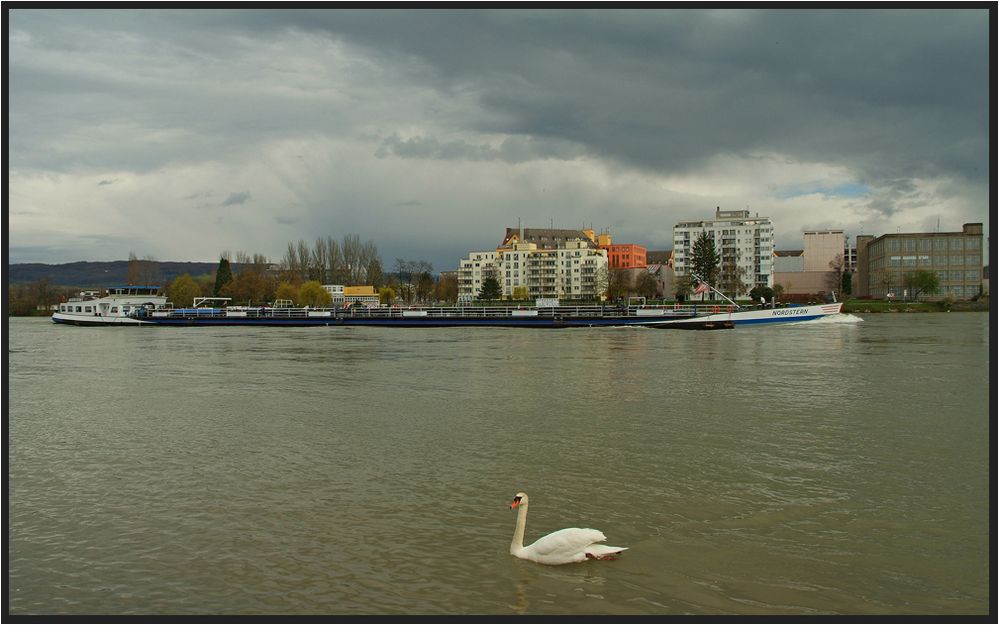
<point x="549" y="583"/>
<point x="572" y="544"/>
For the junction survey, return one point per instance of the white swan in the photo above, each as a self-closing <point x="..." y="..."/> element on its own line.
<point x="572" y="544"/>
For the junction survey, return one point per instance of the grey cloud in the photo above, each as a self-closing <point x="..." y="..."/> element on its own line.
<point x="510" y="150"/>
<point x="104" y="183"/>
<point x="235" y="199"/>
<point x="285" y="221"/>
<point x="888" y="95"/>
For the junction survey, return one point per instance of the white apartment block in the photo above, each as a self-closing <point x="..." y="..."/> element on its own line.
<point x="747" y="242"/>
<point x="569" y="272"/>
<point x="472" y="271"/>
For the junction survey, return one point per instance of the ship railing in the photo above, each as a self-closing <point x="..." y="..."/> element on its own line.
<point x="698" y="309"/>
<point x="667" y="310"/>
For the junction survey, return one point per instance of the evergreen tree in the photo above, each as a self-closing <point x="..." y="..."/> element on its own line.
<point x="490" y="288"/>
<point x="223" y="276"/>
<point x="705" y="259"/>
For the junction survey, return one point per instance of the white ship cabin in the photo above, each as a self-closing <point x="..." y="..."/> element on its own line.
<point x="120" y="301"/>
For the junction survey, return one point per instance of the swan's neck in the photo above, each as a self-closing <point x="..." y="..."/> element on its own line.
<point x="518" y="534"/>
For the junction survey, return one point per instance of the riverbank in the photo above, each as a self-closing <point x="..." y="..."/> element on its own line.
<point x="880" y="306"/>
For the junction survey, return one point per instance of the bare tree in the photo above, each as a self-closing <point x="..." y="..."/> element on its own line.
<point x="337" y="267"/>
<point x="351" y="248"/>
<point x="834" y="279"/>
<point x="730" y="278"/>
<point x="319" y="270"/>
<point x="304" y="259"/>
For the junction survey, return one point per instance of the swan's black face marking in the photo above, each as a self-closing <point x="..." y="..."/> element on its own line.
<point x="516" y="502"/>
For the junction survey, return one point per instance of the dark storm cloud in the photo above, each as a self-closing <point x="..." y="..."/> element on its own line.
<point x="891" y="92"/>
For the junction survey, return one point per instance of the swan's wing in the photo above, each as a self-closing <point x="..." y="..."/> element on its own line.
<point x="571" y="540"/>
<point x="603" y="551"/>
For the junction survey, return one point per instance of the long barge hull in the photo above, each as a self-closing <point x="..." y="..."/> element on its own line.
<point x="692" y="321"/>
<point x="406" y="322"/>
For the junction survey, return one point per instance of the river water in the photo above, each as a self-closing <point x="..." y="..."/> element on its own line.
<point x="831" y="467"/>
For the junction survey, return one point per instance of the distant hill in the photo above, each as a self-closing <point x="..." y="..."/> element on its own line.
<point x="99" y="274"/>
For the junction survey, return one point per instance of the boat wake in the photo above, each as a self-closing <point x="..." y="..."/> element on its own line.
<point x="836" y="319"/>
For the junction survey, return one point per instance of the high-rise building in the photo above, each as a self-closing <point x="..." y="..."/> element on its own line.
<point x="744" y="243"/>
<point x="884" y="261"/>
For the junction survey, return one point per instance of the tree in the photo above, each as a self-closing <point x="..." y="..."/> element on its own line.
<point x="602" y="281"/>
<point x="183" y="290"/>
<point x="490" y="284"/>
<point x="778" y="291"/>
<point x="619" y="283"/>
<point x="424" y="286"/>
<point x="762" y="291"/>
<point x="837" y="270"/>
<point x="919" y="282"/>
<point x="286" y="290"/>
<point x="249" y="287"/>
<point x="682" y="287"/>
<point x="386" y="295"/>
<point x="145" y="272"/>
<point x="847" y="285"/>
<point x="730" y="278"/>
<point x="704" y="259"/>
<point x="134" y="270"/>
<point x="446" y="289"/>
<point x="521" y="293"/>
<point x="374" y="276"/>
<point x="223" y="275"/>
<point x="313" y="294"/>
<point x="646" y="285"/>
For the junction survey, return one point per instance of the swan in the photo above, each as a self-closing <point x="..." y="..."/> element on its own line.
<point x="572" y="544"/>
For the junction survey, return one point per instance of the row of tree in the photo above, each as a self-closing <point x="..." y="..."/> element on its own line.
<point x="253" y="279"/>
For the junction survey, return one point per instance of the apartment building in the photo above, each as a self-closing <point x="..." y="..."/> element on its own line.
<point x="744" y="242"/>
<point x="572" y="271"/>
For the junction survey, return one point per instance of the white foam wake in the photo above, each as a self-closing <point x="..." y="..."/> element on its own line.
<point x="840" y="318"/>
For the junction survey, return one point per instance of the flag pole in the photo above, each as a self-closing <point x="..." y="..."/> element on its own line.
<point x="714" y="289"/>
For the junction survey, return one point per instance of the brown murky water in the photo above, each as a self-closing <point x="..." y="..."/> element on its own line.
<point x="826" y="468"/>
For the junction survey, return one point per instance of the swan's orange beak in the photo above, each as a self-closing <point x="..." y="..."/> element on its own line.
<point x="514" y="504"/>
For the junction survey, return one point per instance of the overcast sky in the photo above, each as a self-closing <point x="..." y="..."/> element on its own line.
<point x="178" y="134"/>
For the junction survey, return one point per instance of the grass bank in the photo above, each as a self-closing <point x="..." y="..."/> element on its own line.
<point x="880" y="306"/>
